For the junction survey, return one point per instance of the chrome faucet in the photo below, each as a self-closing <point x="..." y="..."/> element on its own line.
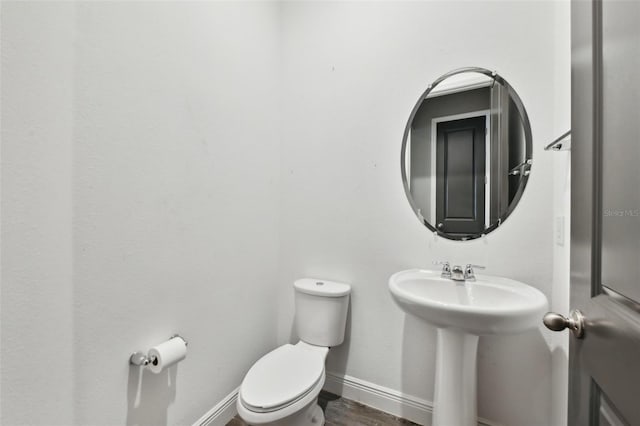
<point x="456" y="273"/>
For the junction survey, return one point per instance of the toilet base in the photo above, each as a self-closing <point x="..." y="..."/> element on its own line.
<point x="318" y="417"/>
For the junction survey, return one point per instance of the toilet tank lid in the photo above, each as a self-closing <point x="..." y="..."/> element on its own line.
<point x="318" y="287"/>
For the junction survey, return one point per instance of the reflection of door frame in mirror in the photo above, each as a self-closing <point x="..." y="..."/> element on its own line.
<point x="486" y="113"/>
<point x="471" y="81"/>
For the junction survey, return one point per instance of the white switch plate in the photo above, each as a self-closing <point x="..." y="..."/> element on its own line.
<point x="559" y="230"/>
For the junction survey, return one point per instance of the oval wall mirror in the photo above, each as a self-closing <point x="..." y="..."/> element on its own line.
<point x="466" y="153"/>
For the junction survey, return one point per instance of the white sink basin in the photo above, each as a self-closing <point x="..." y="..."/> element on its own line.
<point x="489" y="305"/>
<point x="462" y="311"/>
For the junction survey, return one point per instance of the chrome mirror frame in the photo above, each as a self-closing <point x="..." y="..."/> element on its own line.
<point x="528" y="149"/>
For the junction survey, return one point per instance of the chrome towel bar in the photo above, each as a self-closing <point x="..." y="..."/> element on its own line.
<point x="563" y="143"/>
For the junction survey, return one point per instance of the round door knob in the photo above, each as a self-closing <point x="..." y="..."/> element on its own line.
<point x="557" y="322"/>
<point x="440" y="225"/>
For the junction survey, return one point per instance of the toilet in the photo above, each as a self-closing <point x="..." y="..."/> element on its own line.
<point x="282" y="387"/>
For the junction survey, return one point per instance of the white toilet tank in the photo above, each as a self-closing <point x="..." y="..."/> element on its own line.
<point x="321" y="311"/>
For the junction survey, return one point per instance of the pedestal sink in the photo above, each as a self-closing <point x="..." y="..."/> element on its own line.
<point x="463" y="311"/>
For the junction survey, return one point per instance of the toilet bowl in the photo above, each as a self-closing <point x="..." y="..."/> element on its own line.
<point x="282" y="387"/>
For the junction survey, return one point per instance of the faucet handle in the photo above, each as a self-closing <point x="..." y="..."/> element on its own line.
<point x="472" y="266"/>
<point x="446" y="266"/>
<point x="469" y="273"/>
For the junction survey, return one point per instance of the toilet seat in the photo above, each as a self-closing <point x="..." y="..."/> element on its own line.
<point x="282" y="377"/>
<point x="298" y="413"/>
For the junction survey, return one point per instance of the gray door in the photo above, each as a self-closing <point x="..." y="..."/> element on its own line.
<point x="604" y="382"/>
<point x="460" y="175"/>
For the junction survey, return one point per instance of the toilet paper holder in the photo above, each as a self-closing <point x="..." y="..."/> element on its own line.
<point x="139" y="358"/>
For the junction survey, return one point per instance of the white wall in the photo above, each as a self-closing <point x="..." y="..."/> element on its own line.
<point x="140" y="198"/>
<point x="352" y="74"/>
<point x="37" y="358"/>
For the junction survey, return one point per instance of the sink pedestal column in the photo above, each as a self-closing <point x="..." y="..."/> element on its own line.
<point x="455" y="385"/>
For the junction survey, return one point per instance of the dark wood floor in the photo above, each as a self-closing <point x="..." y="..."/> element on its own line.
<point x="344" y="412"/>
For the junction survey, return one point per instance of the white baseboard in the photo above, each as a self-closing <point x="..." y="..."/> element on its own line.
<point x="222" y="413"/>
<point x="384" y="399"/>
<point x="379" y="397"/>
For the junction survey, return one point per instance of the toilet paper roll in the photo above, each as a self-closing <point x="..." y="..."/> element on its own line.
<point x="166" y="354"/>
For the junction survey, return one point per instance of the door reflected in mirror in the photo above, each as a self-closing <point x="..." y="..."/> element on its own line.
<point x="466" y="153"/>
